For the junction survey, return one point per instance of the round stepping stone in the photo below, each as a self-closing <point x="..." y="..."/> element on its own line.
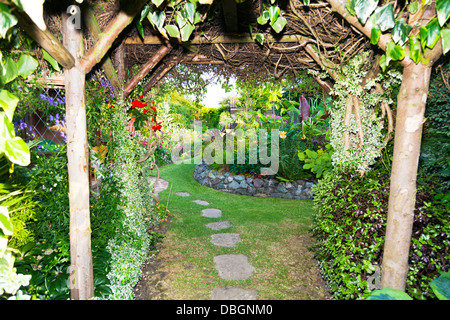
<point x="211" y="213"/>
<point x="183" y="194"/>
<point x="225" y="239"/>
<point x="233" y="267"/>
<point x="233" y="294"/>
<point x="219" y="225"/>
<point x="201" y="202"/>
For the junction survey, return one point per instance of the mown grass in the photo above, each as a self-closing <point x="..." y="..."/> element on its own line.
<point x="274" y="233"/>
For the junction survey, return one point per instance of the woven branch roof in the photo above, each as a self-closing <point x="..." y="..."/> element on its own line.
<point x="316" y="24"/>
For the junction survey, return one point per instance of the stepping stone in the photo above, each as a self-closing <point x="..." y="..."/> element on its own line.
<point x="183" y="194"/>
<point x="219" y="225"/>
<point x="211" y="213"/>
<point x="233" y="267"/>
<point x="233" y="294"/>
<point x="225" y="239"/>
<point x="201" y="202"/>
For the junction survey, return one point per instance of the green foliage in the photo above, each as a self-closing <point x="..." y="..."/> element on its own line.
<point x="440" y="287"/>
<point x="350" y="226"/>
<point x="318" y="162"/>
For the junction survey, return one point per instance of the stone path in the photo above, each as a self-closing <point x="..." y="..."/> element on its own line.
<point x="228" y="266"/>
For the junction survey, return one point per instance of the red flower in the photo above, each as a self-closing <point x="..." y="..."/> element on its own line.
<point x="137" y="104"/>
<point x="153" y="119"/>
<point x="153" y="108"/>
<point x="157" y="127"/>
<point x="145" y="111"/>
<point x="141" y="96"/>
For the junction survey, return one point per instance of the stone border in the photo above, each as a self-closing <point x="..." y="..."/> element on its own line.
<point x="257" y="187"/>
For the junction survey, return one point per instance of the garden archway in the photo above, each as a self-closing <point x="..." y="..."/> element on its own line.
<point x="305" y="38"/>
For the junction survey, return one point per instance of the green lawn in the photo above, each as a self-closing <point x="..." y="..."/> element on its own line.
<point x="275" y="237"/>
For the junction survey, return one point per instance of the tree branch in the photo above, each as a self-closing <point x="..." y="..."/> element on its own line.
<point x="106" y="39"/>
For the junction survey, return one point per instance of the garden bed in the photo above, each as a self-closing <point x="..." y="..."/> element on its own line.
<point x="257" y="187"/>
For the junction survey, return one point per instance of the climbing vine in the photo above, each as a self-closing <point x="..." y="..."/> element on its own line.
<point x="357" y="123"/>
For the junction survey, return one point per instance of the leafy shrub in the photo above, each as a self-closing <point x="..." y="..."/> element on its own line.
<point x="350" y="225"/>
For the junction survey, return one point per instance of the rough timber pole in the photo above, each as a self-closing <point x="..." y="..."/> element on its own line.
<point x="81" y="271"/>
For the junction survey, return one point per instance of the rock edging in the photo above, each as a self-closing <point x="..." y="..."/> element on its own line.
<point x="257" y="187"/>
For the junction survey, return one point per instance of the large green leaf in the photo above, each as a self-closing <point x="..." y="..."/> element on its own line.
<point x="400" y="32"/>
<point x="443" y="11"/>
<point x="415" y="49"/>
<point x="279" y="24"/>
<point x="445" y="36"/>
<point x="50" y="60"/>
<point x="26" y="65"/>
<point x="441" y="286"/>
<point x="8" y="102"/>
<point x="17" y="151"/>
<point x="364" y="9"/>
<point x="9" y="71"/>
<point x="7" y="20"/>
<point x="395" y="51"/>
<point x="388" y="294"/>
<point x="383" y="17"/>
<point x="186" y="31"/>
<point x="433" y="32"/>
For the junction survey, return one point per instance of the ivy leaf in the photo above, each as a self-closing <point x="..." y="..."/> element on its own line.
<point x="395" y="51"/>
<point x="415" y="49"/>
<point x="144" y="12"/>
<point x="274" y="12"/>
<point x="383" y="62"/>
<point x="26" y="65"/>
<point x="140" y="28"/>
<point x="279" y="24"/>
<point x="433" y="32"/>
<point x="423" y="34"/>
<point x="445" y="36"/>
<point x="443" y="11"/>
<point x="189" y="12"/>
<point x="260" y="38"/>
<point x="172" y="30"/>
<point x="262" y="19"/>
<point x="364" y="9"/>
<point x="9" y="71"/>
<point x="400" y="32"/>
<point x="7" y="20"/>
<point x="157" y="19"/>
<point x="8" y="102"/>
<point x="50" y="60"/>
<point x="413" y="7"/>
<point x="375" y="36"/>
<point x="186" y="31"/>
<point x="351" y="7"/>
<point x="157" y="3"/>
<point x="384" y="17"/>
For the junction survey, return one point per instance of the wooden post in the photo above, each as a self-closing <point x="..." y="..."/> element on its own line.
<point x="146" y="68"/>
<point x="81" y="272"/>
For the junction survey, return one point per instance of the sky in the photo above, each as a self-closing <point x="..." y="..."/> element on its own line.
<point x="215" y="94"/>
